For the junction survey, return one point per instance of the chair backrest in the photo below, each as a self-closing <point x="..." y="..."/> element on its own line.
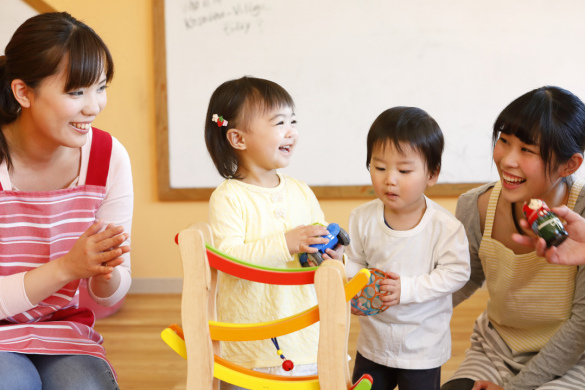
<point x="198" y="306"/>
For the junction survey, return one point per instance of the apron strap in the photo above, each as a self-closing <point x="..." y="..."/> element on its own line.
<point x="99" y="158"/>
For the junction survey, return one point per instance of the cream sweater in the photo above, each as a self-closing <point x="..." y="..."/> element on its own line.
<point x="248" y="223"/>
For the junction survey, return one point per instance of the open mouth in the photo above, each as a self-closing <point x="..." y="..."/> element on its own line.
<point x="512" y="180"/>
<point x="286" y="149"/>
<point x="81" y="126"/>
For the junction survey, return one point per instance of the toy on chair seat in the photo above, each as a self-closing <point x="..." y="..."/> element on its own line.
<point x="544" y="222"/>
<point x="336" y="235"/>
<point x="368" y="300"/>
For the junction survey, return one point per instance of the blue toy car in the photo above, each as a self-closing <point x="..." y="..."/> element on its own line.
<point x="336" y="235"/>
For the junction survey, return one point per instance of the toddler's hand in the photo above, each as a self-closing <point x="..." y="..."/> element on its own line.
<point x="335" y="253"/>
<point x="392" y="287"/>
<point x="355" y="311"/>
<point x="300" y="238"/>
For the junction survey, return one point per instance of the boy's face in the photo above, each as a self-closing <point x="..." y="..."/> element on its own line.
<point x="399" y="179"/>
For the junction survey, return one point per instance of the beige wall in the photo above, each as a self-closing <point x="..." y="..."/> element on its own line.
<point x="126" y="27"/>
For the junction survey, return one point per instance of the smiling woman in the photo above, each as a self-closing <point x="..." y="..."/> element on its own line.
<point x="58" y="176"/>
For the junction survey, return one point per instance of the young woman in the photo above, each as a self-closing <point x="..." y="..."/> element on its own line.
<point x="58" y="176"/>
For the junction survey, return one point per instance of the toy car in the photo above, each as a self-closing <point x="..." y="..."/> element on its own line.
<point x="336" y="235"/>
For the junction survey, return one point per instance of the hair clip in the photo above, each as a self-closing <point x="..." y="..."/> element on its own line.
<point x="219" y="120"/>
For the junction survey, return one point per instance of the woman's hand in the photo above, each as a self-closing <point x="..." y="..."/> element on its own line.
<point x="570" y="252"/>
<point x="299" y="239"/>
<point x="487" y="385"/>
<point x="95" y="253"/>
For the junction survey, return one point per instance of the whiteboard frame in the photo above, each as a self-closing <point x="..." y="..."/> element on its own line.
<point x="40" y="6"/>
<point x="167" y="193"/>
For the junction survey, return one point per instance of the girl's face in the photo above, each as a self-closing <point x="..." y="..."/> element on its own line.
<point x="522" y="170"/>
<point x="399" y="179"/>
<point x="63" y="118"/>
<point x="270" y="140"/>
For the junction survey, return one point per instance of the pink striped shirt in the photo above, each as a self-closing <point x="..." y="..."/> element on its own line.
<point x="38" y="227"/>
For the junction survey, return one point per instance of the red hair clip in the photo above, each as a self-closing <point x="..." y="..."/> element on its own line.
<point x="219" y="120"/>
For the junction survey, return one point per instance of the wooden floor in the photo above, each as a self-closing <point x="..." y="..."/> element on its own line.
<point x="143" y="361"/>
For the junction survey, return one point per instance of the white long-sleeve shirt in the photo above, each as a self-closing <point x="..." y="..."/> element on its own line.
<point x="432" y="260"/>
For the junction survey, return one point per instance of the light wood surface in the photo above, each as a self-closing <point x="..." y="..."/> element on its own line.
<point x="144" y="361"/>
<point x="333" y="344"/>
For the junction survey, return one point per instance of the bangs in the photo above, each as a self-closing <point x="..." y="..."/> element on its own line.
<point x="525" y="127"/>
<point x="532" y="119"/>
<point x="264" y="97"/>
<point x="88" y="58"/>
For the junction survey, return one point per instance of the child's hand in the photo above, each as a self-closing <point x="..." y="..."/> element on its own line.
<point x="335" y="253"/>
<point x="96" y="253"/>
<point x="300" y="238"/>
<point x="355" y="311"/>
<point x="392" y="287"/>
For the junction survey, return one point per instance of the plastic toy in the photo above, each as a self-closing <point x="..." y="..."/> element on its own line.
<point x="336" y="235"/>
<point x="544" y="222"/>
<point x="369" y="297"/>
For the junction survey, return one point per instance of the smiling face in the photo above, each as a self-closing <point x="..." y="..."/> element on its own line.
<point x="269" y="141"/>
<point x="522" y="170"/>
<point x="63" y="118"/>
<point x="399" y="179"/>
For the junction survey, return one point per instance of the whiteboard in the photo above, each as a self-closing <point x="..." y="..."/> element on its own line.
<point x="14" y="13"/>
<point x="346" y="61"/>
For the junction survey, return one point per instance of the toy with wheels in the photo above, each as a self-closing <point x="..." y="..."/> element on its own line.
<point x="369" y="298"/>
<point x="336" y="235"/>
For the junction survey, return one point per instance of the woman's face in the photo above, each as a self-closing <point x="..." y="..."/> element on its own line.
<point x="63" y="118"/>
<point x="522" y="170"/>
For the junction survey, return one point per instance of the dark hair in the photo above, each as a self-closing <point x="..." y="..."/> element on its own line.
<point x="237" y="101"/>
<point x="408" y="126"/>
<point x="550" y="116"/>
<point x="37" y="50"/>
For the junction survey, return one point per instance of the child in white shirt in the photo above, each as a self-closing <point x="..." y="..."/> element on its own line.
<point x="419" y="244"/>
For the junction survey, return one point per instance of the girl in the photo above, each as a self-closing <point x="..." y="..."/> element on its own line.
<point x="260" y="215"/>
<point x="532" y="335"/>
<point x="58" y="176"/>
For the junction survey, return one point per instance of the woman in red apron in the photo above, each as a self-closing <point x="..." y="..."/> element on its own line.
<point x="65" y="206"/>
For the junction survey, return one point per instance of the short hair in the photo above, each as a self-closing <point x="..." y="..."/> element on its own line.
<point x="237" y="101"/>
<point x="408" y="126"/>
<point x="550" y="116"/>
<point x="37" y="50"/>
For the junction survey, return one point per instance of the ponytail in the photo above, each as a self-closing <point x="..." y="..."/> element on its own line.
<point x="9" y="109"/>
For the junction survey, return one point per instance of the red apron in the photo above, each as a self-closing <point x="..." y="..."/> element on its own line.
<point x="37" y="227"/>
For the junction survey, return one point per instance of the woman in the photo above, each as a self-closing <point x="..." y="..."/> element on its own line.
<point x="58" y="176"/>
